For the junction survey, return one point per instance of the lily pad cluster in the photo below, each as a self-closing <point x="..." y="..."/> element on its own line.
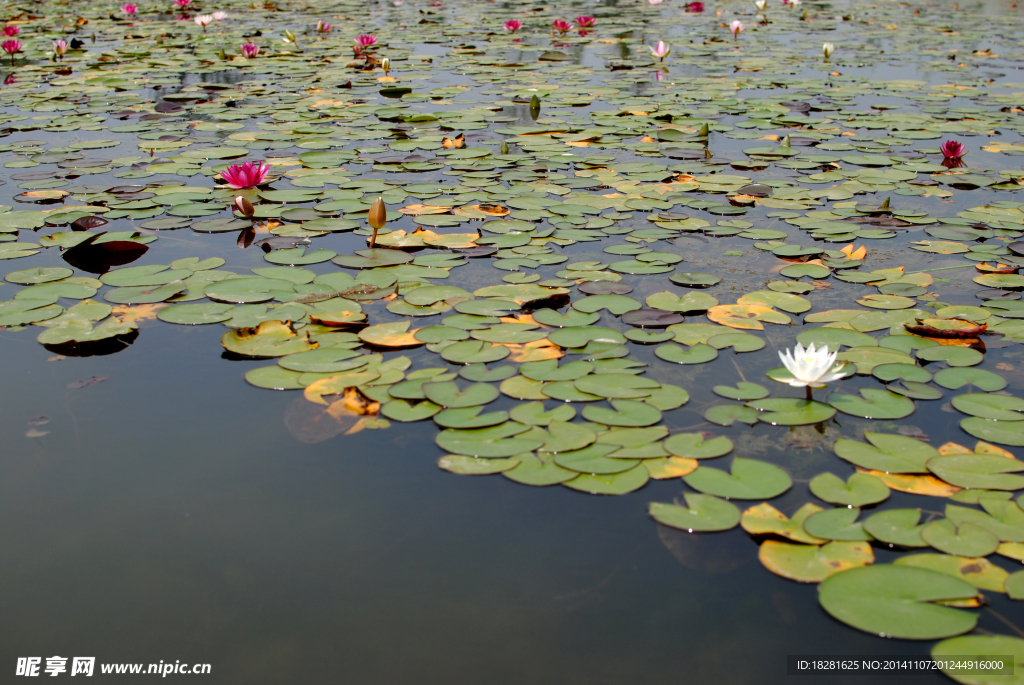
<point x="574" y="234"/>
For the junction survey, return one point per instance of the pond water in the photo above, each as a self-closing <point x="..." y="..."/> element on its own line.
<point x="156" y="506"/>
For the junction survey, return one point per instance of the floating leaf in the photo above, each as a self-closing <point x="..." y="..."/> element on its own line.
<point x="813" y="564"/>
<point x="702" y="513"/>
<point x="748" y="479"/>
<point x="859" y="489"/>
<point x="898" y="601"/>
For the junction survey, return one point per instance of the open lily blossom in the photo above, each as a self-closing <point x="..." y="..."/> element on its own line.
<point x="11" y="47"/>
<point x="129" y="9"/>
<point x="366" y="40"/>
<point x="323" y="27"/>
<point x="661" y="50"/>
<point x="561" y="25"/>
<point x="248" y="175"/>
<point x="827" y="49"/>
<point x="203" y="20"/>
<point x="219" y="15"/>
<point x="695" y="7"/>
<point x="812" y="368"/>
<point x="60" y="47"/>
<point x="182" y="3"/>
<point x="513" y="25"/>
<point x="250" y="50"/>
<point x="585" y="22"/>
<point x="11" y="30"/>
<point x="736" y="27"/>
<point x="952" y="149"/>
<point x="760" y="5"/>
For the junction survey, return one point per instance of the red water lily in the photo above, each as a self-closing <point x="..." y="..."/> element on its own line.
<point x="248" y="175"/>
<point x="250" y="50"/>
<point x="513" y="25"/>
<point x="11" y="47"/>
<point x="561" y="25"/>
<point x="952" y="149"/>
<point x="11" y="30"/>
<point x="584" y="22"/>
<point x="695" y="7"/>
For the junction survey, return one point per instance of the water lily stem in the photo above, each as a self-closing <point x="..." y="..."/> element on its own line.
<point x="373" y="240"/>
<point x="810" y="397"/>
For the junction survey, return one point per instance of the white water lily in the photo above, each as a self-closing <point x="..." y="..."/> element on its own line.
<point x="827" y="49"/>
<point x="810" y="367"/>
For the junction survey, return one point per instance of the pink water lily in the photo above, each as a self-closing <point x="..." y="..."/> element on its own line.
<point x="129" y="9"/>
<point x="11" y="47"/>
<point x="952" y="149"/>
<point x="736" y="27"/>
<point x="366" y="40"/>
<point x="11" y="30"/>
<point x="182" y="3"/>
<point x="695" y="7"/>
<point x="203" y="20"/>
<point x="584" y="22"/>
<point x="513" y="25"/>
<point x="661" y="50"/>
<point x="219" y="15"/>
<point x="561" y="25"/>
<point x="250" y="50"/>
<point x="59" y="48"/>
<point x="322" y="27"/>
<point x="248" y="175"/>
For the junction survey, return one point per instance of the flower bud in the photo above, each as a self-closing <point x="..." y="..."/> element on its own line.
<point x="385" y="64"/>
<point x="244" y="207"/>
<point x="378" y="215"/>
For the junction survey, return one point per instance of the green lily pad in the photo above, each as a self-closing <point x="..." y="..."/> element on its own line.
<point x="610" y="484"/>
<point x="627" y="413"/>
<point x="471" y="466"/>
<point x="899" y="602"/>
<point x="858" y="490"/>
<point x="965" y="539"/>
<point x="742" y="391"/>
<point x="402" y="410"/>
<point x="896" y="527"/>
<point x="492" y="442"/>
<point x="677" y="354"/>
<point x="539" y="470"/>
<point x="957" y="377"/>
<point x="727" y="414"/>
<point x="986" y="406"/>
<point x="748" y="479"/>
<point x="948" y="652"/>
<point x="983" y="471"/>
<point x="695" y="446"/>
<point x="954" y="356"/>
<point x="783" y="411"/>
<point x="872" y="404"/>
<point x="887" y="452"/>
<point x="702" y="513"/>
<point x="836" y="524"/>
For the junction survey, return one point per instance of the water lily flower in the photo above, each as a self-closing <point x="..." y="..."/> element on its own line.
<point x="182" y="3"/>
<point x="513" y="25"/>
<point x="385" y="64"/>
<point x="366" y="40"/>
<point x="736" y="27"/>
<point x="811" y="368"/>
<point x="561" y="26"/>
<point x="250" y="50"/>
<point x="11" y="47"/>
<point x="59" y="48"/>
<point x="219" y="15"/>
<point x="655" y="2"/>
<point x="11" y="30"/>
<point x="827" y="49"/>
<point x="203" y="20"/>
<point x="244" y="207"/>
<point x="760" y="5"/>
<point x="248" y="175"/>
<point x="584" y="22"/>
<point x="661" y="50"/>
<point x="322" y="27"/>
<point x="695" y="7"/>
<point x="129" y="9"/>
<point x="952" y="149"/>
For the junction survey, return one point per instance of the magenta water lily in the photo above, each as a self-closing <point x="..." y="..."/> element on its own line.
<point x="59" y="48"/>
<point x="11" y="47"/>
<point x="129" y="9"/>
<point x="250" y="50"/>
<point x="248" y="175"/>
<point x="513" y="25"/>
<point x="323" y="27"/>
<point x="695" y="7"/>
<point x="11" y="30"/>
<point x="585" y="22"/>
<point x="952" y="149"/>
<point x="561" y="25"/>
